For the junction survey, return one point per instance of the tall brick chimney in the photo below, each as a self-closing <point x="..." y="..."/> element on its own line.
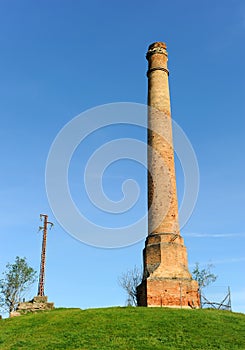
<point x="166" y="279"/>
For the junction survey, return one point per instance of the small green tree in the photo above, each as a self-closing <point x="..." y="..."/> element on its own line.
<point x="204" y="276"/>
<point x="17" y="279"/>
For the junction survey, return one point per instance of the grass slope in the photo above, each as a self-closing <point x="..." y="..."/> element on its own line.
<point x="124" y="328"/>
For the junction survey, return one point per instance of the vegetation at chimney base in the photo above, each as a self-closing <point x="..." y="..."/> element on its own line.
<point x="124" y="328"/>
<point x="129" y="281"/>
<point x="204" y="276"/>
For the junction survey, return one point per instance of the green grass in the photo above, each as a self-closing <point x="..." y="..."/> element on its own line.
<point x="124" y="328"/>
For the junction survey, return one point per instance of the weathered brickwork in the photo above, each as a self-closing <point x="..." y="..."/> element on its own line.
<point x="167" y="280"/>
<point x="164" y="292"/>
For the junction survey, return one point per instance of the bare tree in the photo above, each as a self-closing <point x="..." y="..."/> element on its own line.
<point x="129" y="281"/>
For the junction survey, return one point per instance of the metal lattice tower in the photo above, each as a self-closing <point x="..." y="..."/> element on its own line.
<point x="44" y="228"/>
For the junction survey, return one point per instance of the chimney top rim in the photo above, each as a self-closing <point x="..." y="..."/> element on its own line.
<point x="157" y="44"/>
<point x="157" y="48"/>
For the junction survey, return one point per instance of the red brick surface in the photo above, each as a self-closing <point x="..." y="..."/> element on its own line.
<point x="167" y="280"/>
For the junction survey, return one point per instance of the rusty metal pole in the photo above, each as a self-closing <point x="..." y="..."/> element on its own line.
<point x="43" y="254"/>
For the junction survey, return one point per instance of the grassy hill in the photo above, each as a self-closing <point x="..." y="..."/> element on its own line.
<point x="124" y="328"/>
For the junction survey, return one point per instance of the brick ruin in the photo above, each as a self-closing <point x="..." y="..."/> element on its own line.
<point x="38" y="303"/>
<point x="166" y="280"/>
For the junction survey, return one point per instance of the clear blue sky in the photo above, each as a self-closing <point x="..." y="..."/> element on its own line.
<point x="59" y="58"/>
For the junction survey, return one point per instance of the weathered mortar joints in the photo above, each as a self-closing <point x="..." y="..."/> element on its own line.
<point x="166" y="280"/>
